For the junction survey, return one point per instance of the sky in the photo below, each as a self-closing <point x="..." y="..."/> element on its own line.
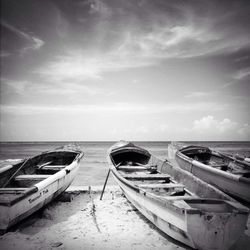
<point x="142" y="70"/>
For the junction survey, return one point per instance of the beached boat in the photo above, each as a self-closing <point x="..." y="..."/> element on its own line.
<point x="221" y="170"/>
<point x="32" y="183"/>
<point x="181" y="205"/>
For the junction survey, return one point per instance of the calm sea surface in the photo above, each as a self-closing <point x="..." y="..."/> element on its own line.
<point x="94" y="168"/>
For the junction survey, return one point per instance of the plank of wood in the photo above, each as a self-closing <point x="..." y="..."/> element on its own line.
<point x="7" y="190"/>
<point x="53" y="167"/>
<point x="241" y="171"/>
<point x="147" y="177"/>
<point x="161" y="185"/>
<point x="44" y="164"/>
<point x="31" y="177"/>
<point x="219" y="165"/>
<point x="132" y="168"/>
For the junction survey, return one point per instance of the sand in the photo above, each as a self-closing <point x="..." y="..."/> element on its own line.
<point x="88" y="223"/>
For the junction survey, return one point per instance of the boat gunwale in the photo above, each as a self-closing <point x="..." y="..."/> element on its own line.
<point x="130" y="149"/>
<point x="209" y="168"/>
<point x="33" y="189"/>
<point x="215" y="153"/>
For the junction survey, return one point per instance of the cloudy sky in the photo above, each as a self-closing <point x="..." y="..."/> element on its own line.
<point x="125" y="69"/>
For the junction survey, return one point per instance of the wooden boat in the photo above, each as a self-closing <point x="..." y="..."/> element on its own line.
<point x="181" y="205"/>
<point x="32" y="183"/>
<point x="226" y="172"/>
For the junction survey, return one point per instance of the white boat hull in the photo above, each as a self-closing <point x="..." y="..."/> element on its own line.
<point x="170" y="222"/>
<point x="47" y="190"/>
<point x="229" y="183"/>
<point x="195" y="230"/>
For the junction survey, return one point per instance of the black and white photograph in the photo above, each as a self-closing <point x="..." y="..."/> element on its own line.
<point x="125" y="124"/>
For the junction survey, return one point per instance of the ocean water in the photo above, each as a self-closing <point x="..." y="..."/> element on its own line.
<point x="94" y="167"/>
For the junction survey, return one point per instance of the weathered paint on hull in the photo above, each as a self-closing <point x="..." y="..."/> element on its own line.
<point x="229" y="183"/>
<point x="205" y="218"/>
<point x="215" y="230"/>
<point x="46" y="193"/>
<point x="206" y="230"/>
<point x="170" y="222"/>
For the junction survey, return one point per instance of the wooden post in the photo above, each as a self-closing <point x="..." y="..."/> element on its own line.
<point x="105" y="184"/>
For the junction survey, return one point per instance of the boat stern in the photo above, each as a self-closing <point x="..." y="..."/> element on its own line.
<point x="218" y="225"/>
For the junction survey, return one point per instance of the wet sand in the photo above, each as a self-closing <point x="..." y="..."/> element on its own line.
<point x="88" y="223"/>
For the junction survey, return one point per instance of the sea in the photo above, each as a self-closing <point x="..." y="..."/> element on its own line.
<point x="93" y="167"/>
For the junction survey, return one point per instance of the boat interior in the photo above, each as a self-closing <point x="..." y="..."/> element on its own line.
<point x="206" y="156"/>
<point x="190" y="193"/>
<point x="22" y="177"/>
<point x="136" y="167"/>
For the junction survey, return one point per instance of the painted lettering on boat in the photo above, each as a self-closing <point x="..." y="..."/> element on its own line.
<point x="40" y="195"/>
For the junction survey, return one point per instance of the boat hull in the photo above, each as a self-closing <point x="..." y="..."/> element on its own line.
<point x="175" y="224"/>
<point x="43" y="193"/>
<point x="208" y="221"/>
<point x="231" y="184"/>
<point x="192" y="229"/>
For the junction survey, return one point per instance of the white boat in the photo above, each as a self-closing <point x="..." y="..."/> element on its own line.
<point x="228" y="173"/>
<point x="32" y="183"/>
<point x="181" y="205"/>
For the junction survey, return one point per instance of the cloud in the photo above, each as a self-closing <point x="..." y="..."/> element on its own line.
<point x="198" y="94"/>
<point x="241" y="74"/>
<point x="32" y="42"/>
<point x="98" y="6"/>
<point x="200" y="30"/>
<point x="25" y="87"/>
<point x="118" y="108"/>
<point x="209" y="123"/>
<point x="245" y="130"/>
<point x="185" y="41"/>
<point x="4" y="54"/>
<point x="237" y="77"/>
<point x="143" y="131"/>
<point x="73" y="66"/>
<point x="228" y="84"/>
<point x="15" y="86"/>
<point x="81" y="65"/>
<point x="118" y="35"/>
<point x="209" y="127"/>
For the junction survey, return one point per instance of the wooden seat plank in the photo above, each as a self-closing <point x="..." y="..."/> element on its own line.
<point x="10" y="190"/>
<point x="161" y="185"/>
<point x="243" y="171"/>
<point x="44" y="164"/>
<point x="53" y="167"/>
<point x="31" y="177"/>
<point x="132" y="168"/>
<point x="147" y="176"/>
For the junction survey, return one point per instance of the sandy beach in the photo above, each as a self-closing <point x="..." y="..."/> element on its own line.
<point x="88" y="223"/>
